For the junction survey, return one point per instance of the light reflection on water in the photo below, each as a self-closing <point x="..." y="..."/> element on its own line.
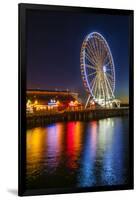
<point x="80" y="154"/>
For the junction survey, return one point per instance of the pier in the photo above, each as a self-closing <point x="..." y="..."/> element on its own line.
<point x="40" y="119"/>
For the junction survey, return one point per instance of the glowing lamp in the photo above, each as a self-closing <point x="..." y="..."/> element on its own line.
<point x="71" y="103"/>
<point x="104" y="69"/>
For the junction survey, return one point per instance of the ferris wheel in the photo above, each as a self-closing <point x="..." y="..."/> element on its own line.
<point x="97" y="69"/>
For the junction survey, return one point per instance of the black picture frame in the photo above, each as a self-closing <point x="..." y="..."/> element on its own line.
<point x="22" y="97"/>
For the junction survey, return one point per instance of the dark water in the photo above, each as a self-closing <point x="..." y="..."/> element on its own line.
<point x="78" y="154"/>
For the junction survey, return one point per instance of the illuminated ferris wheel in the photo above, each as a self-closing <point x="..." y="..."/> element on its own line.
<point x="97" y="69"/>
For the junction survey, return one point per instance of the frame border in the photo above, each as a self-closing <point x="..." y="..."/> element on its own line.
<point x="22" y="45"/>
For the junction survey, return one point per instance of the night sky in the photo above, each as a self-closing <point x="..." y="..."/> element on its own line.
<point x="54" y="41"/>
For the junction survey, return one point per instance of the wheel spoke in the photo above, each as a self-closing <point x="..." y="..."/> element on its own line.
<point x="109" y="75"/>
<point x="96" y="90"/>
<point x="109" y="86"/>
<point x="90" y="54"/>
<point x="93" y="50"/>
<point x="108" y="63"/>
<point x="90" y="66"/>
<point x="94" y="83"/>
<point x="103" y="91"/>
<point x="88" y="57"/>
<point x="92" y="73"/>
